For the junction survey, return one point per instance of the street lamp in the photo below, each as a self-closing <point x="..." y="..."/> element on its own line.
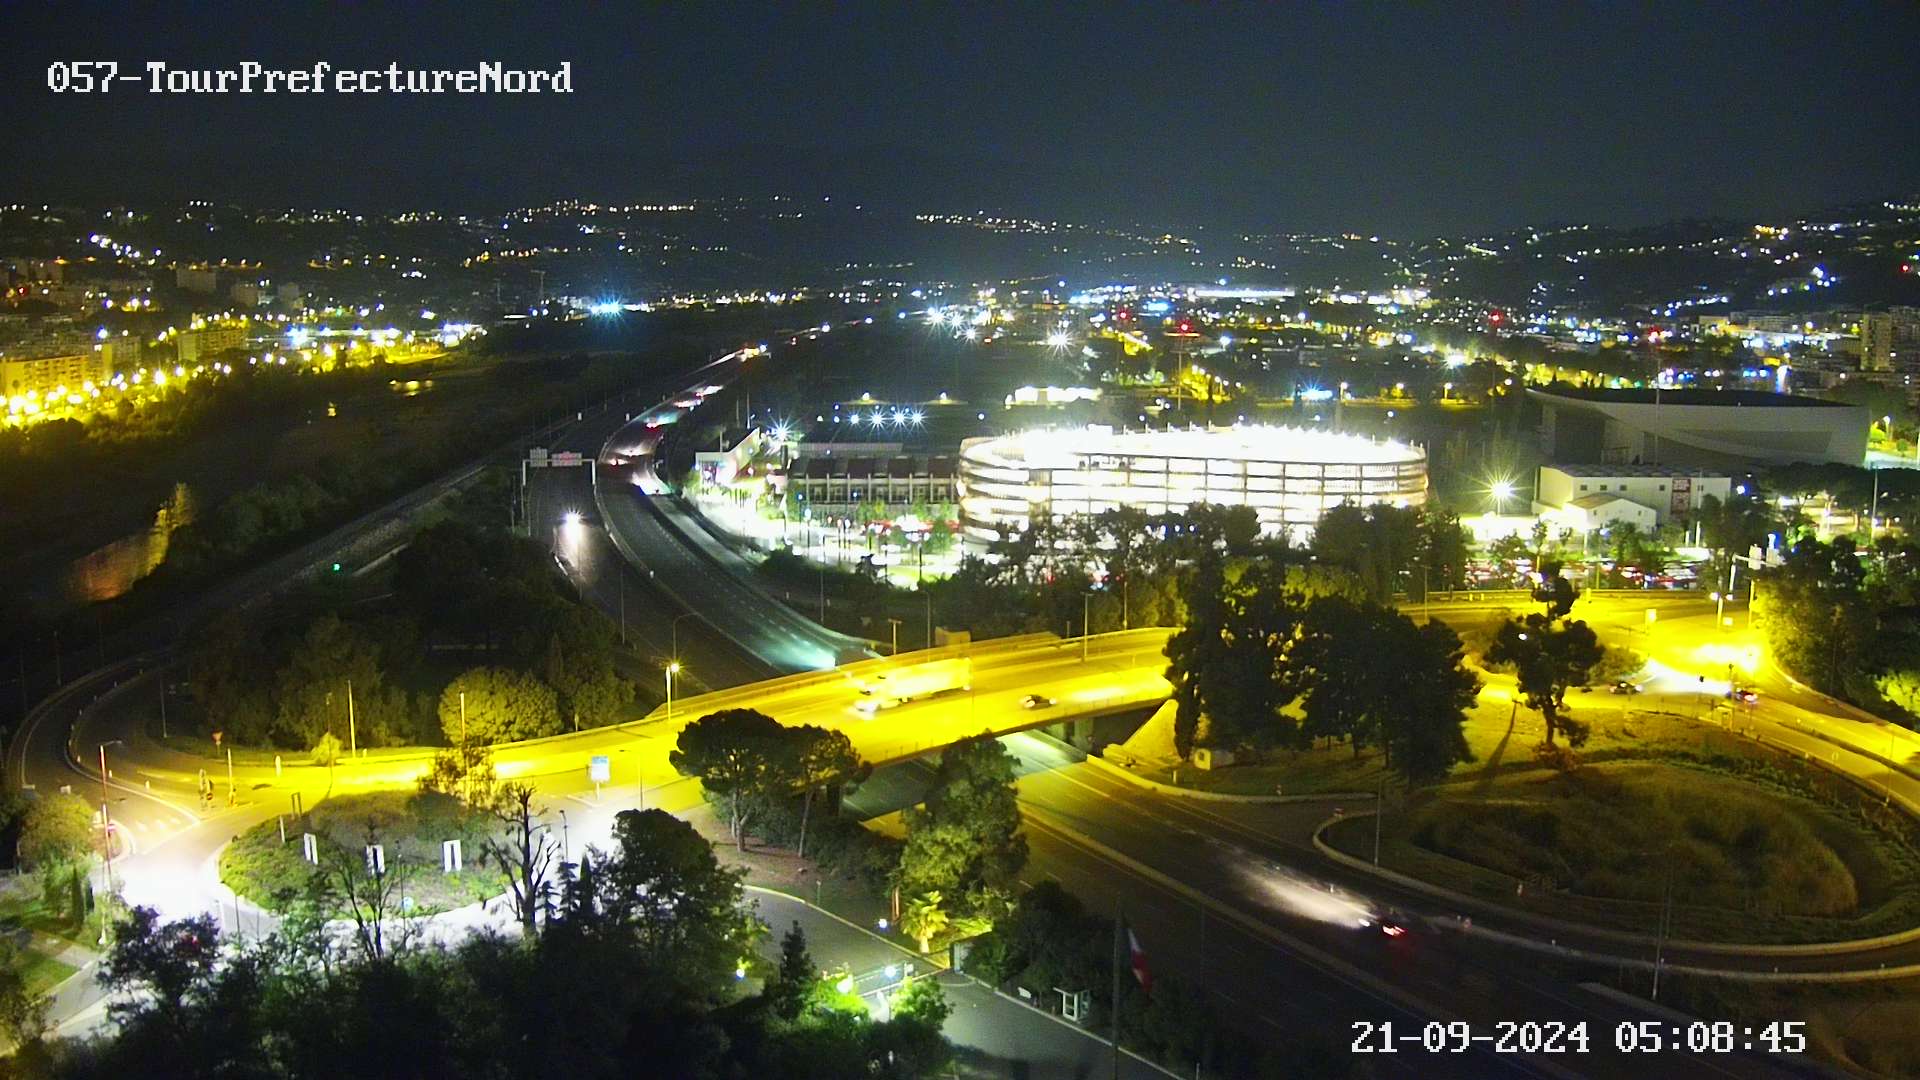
<point x="673" y="668"/>
<point x="106" y="832"/>
<point x="1085" y="628"/>
<point x="563" y="838"/>
<point x="1501" y="490"/>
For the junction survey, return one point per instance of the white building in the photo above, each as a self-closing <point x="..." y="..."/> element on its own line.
<point x="1588" y="497"/>
<point x="1288" y="475"/>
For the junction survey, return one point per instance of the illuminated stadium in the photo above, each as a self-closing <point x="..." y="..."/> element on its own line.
<point x="1288" y="475"/>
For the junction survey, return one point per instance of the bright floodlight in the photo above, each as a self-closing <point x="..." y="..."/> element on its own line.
<point x="1059" y="339"/>
<point x="572" y="517"/>
<point x="972" y="334"/>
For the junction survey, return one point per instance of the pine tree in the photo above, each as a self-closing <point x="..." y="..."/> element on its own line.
<point x="787" y="993"/>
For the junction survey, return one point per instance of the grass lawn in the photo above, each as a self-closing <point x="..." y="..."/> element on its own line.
<point x="21" y="906"/>
<point x="1745" y="860"/>
<point x="42" y="972"/>
<point x="409" y="826"/>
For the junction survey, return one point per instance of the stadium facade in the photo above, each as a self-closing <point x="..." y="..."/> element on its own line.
<point x="1290" y="476"/>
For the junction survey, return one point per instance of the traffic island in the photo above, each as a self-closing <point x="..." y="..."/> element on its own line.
<point x="1748" y="851"/>
<point x="275" y="865"/>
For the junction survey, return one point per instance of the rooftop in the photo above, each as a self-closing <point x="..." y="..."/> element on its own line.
<point x="1066" y="448"/>
<point x="1632" y="471"/>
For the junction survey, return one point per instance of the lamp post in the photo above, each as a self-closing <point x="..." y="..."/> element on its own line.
<point x="563" y="837"/>
<point x="1086" y="600"/>
<point x="106" y="832"/>
<point x="894" y="624"/>
<point x="1873" y="513"/>
<point x="672" y="669"/>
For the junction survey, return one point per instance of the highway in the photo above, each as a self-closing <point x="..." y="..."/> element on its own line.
<point x="710" y="582"/>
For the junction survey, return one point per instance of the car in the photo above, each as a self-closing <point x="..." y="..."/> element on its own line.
<point x="1625" y="687"/>
<point x="1037" y="701"/>
<point x="1394" y="923"/>
<point x="1744" y="697"/>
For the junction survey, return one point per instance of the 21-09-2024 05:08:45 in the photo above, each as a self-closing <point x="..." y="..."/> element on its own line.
<point x="1555" y="1037"/>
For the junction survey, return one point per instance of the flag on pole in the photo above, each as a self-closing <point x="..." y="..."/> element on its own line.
<point x="1139" y="958"/>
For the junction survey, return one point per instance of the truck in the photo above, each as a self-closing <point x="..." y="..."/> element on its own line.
<point x="887" y="688"/>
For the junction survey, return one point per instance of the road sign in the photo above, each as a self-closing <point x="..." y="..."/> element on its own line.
<point x="600" y="770"/>
<point x="566" y="459"/>
<point x="537" y="457"/>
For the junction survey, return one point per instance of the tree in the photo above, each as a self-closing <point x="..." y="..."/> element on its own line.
<point x="1548" y="657"/>
<point x="1229" y="662"/>
<point x="1374" y="676"/>
<point x="23" y="1013"/>
<point x="502" y="705"/>
<point x="57" y="829"/>
<point x="1731" y="527"/>
<point x="156" y="966"/>
<point x="663" y="886"/>
<point x="1195" y="648"/>
<point x="787" y="993"/>
<point x="1507" y="553"/>
<point x="910" y="1044"/>
<point x="923" y="1000"/>
<point x="522" y="851"/>
<point x="966" y="839"/>
<point x="327" y="749"/>
<point x="740" y="756"/>
<point x="1375" y="544"/>
<point x="579" y="665"/>
<point x="1440" y="553"/>
<point x="372" y="891"/>
<point x="465" y="772"/>
<point x="824" y="757"/>
<point x="311" y="694"/>
<point x="1424" y="738"/>
<point x="924" y="918"/>
<point x="1555" y="590"/>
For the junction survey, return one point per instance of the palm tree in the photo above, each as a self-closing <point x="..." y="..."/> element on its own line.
<point x="923" y="918"/>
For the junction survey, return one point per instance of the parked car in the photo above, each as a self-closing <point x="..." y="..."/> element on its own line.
<point x="1037" y="701"/>
<point x="1625" y="687"/>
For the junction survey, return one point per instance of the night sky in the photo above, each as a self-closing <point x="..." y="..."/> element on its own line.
<point x="1379" y="118"/>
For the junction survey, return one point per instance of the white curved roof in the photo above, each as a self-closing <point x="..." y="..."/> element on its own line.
<point x="1068" y="448"/>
